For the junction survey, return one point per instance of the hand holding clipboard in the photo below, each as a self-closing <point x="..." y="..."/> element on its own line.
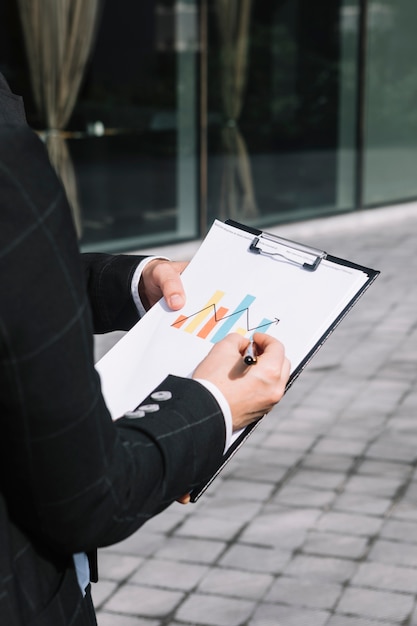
<point x="241" y="280"/>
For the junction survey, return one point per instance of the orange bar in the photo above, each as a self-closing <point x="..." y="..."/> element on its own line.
<point x="207" y="328"/>
<point x="179" y="321"/>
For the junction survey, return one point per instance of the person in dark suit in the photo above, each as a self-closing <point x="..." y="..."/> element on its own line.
<point x="71" y="479"/>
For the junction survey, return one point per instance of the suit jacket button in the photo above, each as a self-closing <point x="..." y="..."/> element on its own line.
<point x="134" y="414"/>
<point x="161" y="395"/>
<point x="149" y="408"/>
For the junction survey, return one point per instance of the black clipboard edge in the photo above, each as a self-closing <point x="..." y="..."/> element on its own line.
<point x="372" y="275"/>
<point x="198" y="491"/>
<point x="248" y="229"/>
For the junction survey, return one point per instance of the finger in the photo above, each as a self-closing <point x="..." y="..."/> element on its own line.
<point x="267" y="345"/>
<point x="168" y="279"/>
<point x="273" y="361"/>
<point x="184" y="499"/>
<point x="224" y="361"/>
<point x="286" y="369"/>
<point x="234" y="343"/>
<point x="232" y="349"/>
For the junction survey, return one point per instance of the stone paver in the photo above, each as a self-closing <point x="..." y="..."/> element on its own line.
<point x="214" y="610"/>
<point x="350" y="524"/>
<point x="110" y="619"/>
<point x="364" y="504"/>
<point x="314" y="521"/>
<point x="380" y="576"/>
<point x="169" y="574"/>
<point x="380" y="605"/>
<point x="393" y="553"/>
<point x="323" y="568"/>
<point x="143" y="601"/>
<point x="236" y="583"/>
<point x="338" y="545"/>
<point x="256" y="559"/>
<point x="281" y="615"/>
<point x="304" y="593"/>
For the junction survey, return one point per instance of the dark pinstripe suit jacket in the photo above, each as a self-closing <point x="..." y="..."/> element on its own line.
<point x="70" y="479"/>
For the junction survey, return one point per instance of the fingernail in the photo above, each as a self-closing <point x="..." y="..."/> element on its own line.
<point x="176" y="301"/>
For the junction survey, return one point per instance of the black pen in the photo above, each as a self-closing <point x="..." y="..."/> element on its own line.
<point x="250" y="357"/>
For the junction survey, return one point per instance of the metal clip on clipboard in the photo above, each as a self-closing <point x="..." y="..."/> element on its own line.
<point x="316" y="254"/>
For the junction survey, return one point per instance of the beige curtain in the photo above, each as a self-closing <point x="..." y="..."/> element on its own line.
<point x="59" y="36"/>
<point x="237" y="193"/>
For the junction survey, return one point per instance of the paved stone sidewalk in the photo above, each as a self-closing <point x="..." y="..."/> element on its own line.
<point x="314" y="522"/>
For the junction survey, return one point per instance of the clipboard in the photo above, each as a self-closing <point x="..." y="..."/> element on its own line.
<point x="307" y="259"/>
<point x="242" y="280"/>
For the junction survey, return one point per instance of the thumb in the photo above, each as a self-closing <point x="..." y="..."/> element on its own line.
<point x="171" y="284"/>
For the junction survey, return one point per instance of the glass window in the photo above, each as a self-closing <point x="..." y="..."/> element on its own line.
<point x="390" y="159"/>
<point x="128" y="151"/>
<point x="281" y="109"/>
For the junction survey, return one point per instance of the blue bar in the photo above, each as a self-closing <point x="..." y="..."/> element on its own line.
<point x="232" y="318"/>
<point x="262" y="327"/>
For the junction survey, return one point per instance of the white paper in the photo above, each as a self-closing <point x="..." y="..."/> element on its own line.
<point x="305" y="303"/>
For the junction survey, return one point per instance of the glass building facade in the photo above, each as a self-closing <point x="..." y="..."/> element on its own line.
<point x="162" y="116"/>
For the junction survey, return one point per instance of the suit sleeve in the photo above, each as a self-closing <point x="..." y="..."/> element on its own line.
<point x="108" y="278"/>
<point x="72" y="478"/>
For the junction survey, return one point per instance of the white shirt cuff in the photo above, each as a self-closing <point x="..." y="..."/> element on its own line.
<point x="224" y="405"/>
<point x="82" y="569"/>
<point x="134" y="286"/>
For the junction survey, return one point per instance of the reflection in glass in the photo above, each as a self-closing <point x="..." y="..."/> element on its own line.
<point x="391" y="93"/>
<point x="237" y="198"/>
<point x="295" y="97"/>
<point x="59" y="37"/>
<point x="138" y="180"/>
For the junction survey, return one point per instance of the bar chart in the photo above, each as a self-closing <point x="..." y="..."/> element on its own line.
<point x="214" y="321"/>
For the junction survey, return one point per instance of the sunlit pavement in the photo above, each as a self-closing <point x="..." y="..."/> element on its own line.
<point x="314" y="522"/>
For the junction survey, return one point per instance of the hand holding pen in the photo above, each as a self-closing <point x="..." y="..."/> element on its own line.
<point x="250" y="391"/>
